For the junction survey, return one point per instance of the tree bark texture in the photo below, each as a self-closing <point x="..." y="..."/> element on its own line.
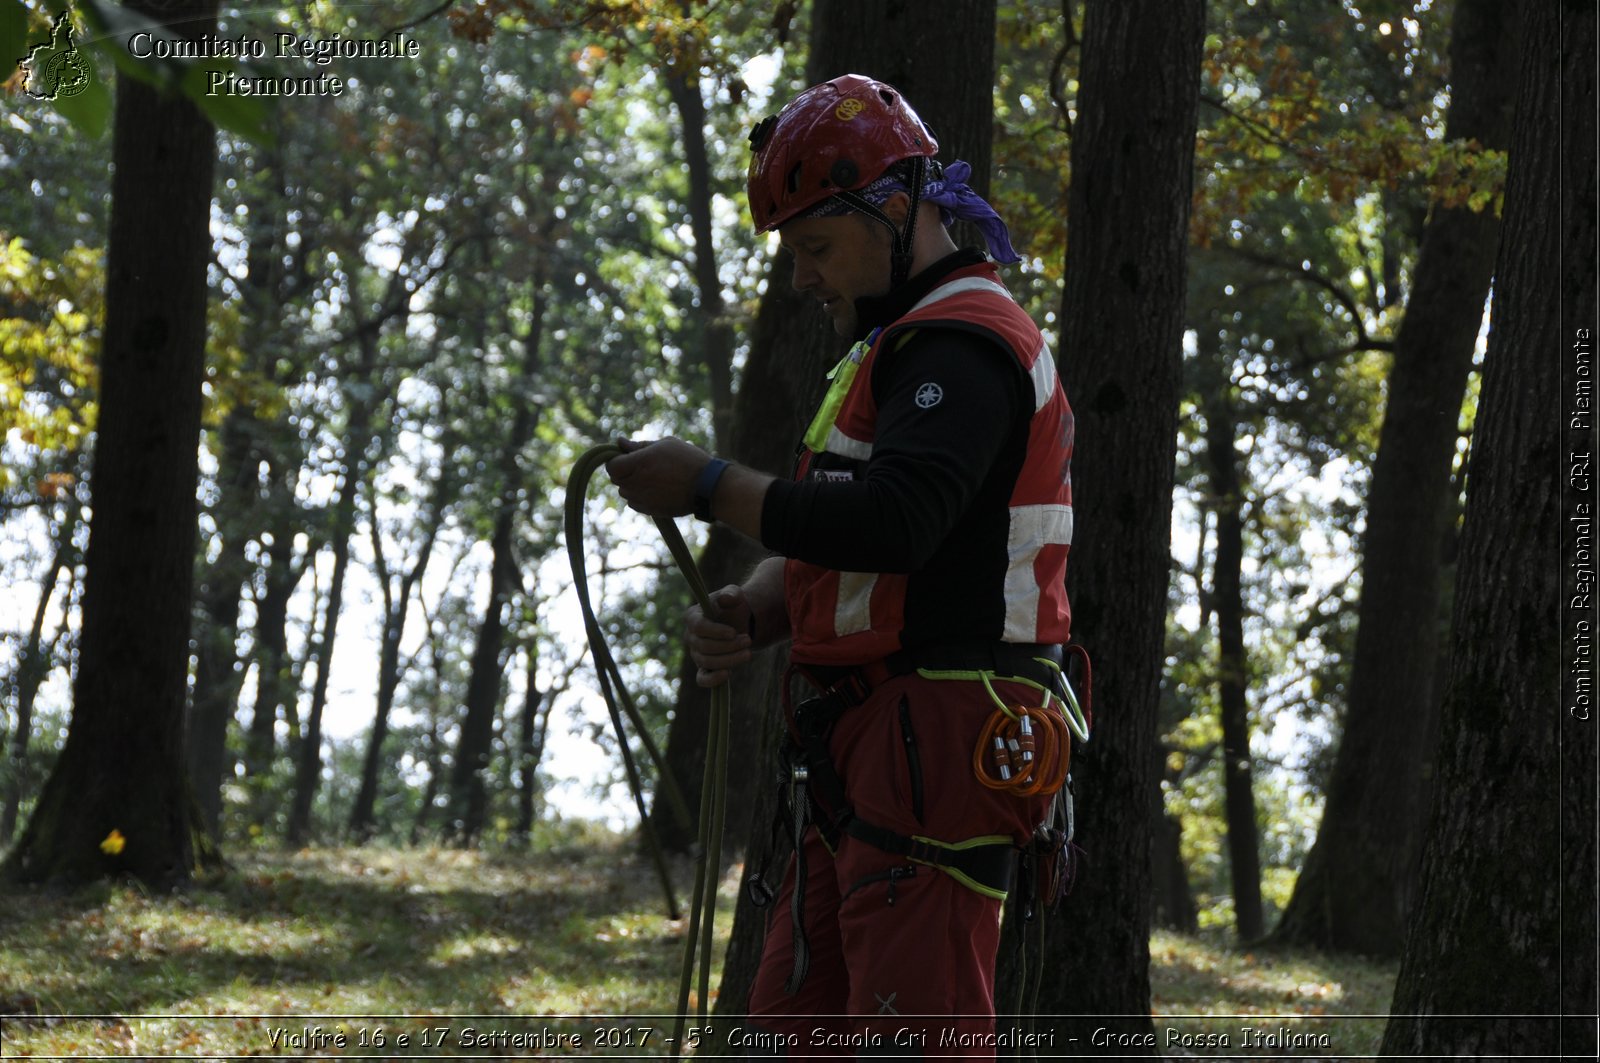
<point x="945" y="68"/>
<point x="1355" y="891"/>
<point x="1120" y="357"/>
<point x="1503" y="936"/>
<point x="122" y="768"/>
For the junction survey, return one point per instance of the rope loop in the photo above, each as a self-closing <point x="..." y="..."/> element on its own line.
<point x="620" y="704"/>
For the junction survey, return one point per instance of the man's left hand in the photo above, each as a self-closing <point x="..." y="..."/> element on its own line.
<point x="657" y="479"/>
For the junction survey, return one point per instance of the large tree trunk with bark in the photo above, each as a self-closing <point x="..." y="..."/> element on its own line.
<point x="121" y="775"/>
<point x="1502" y="942"/>
<point x="1121" y="355"/>
<point x="1356" y="889"/>
<point x="945" y="68"/>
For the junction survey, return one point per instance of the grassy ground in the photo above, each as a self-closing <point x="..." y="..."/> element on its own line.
<point x="406" y="938"/>
<point x="1211" y="999"/>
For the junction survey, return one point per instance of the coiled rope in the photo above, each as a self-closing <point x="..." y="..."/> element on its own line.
<point x="619" y="703"/>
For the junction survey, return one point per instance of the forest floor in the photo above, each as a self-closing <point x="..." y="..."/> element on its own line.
<point x="379" y="953"/>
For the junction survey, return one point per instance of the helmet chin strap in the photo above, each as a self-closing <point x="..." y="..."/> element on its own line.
<point x="904" y="239"/>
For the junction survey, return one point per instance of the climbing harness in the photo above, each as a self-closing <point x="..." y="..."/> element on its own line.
<point x="619" y="703"/>
<point x="985" y="864"/>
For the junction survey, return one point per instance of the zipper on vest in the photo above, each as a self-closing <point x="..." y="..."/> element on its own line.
<point x="908" y="738"/>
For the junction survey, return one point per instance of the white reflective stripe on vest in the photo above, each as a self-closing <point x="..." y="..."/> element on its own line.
<point x="1032" y="529"/>
<point x="966" y="284"/>
<point x="1044" y="376"/>
<point x="846" y="446"/>
<point x="852" y="611"/>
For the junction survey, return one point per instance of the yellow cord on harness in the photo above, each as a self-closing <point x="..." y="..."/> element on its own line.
<point x="1024" y="750"/>
<point x="713" y="792"/>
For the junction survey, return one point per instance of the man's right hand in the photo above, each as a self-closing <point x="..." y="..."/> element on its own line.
<point x="719" y="640"/>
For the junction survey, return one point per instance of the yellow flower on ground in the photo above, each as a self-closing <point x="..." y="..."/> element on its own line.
<point x="113" y="843"/>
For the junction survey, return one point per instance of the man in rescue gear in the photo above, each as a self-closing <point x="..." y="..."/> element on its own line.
<point x="919" y="558"/>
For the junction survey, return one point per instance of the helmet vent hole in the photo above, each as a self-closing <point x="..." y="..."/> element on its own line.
<point x="887" y="97"/>
<point x="792" y="181"/>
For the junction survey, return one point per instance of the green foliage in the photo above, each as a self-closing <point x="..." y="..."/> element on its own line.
<point x="1327" y="106"/>
<point x="49" y="335"/>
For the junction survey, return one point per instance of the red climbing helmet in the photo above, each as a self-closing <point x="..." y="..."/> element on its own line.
<point x="838" y="136"/>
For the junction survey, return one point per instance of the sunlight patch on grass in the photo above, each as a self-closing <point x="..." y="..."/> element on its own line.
<point x="1204" y="991"/>
<point x="341" y="933"/>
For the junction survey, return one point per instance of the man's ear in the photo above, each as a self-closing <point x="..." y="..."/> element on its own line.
<point x="896" y="207"/>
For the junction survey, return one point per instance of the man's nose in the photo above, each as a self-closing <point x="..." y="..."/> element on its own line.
<point x="805" y="277"/>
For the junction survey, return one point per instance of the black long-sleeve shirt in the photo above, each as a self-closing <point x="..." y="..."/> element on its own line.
<point x="935" y="491"/>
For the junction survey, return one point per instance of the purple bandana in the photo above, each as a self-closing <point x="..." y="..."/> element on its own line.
<point x="956" y="199"/>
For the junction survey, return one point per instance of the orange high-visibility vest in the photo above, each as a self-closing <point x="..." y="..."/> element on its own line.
<point x="856" y="617"/>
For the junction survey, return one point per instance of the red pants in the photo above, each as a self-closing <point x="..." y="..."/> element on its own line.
<point x="901" y="953"/>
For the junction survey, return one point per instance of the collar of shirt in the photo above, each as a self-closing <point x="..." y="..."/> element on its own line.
<point x="875" y="311"/>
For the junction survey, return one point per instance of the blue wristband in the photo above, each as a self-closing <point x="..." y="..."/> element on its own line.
<point x="705" y="485"/>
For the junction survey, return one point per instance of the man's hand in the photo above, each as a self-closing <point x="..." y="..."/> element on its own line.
<point x="719" y="641"/>
<point x="657" y="479"/>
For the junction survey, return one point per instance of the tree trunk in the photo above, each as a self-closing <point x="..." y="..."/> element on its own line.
<point x="1502" y="941"/>
<point x="217" y="677"/>
<point x="214" y="701"/>
<point x="31" y="673"/>
<point x="1355" y="891"/>
<point x="397" y="608"/>
<point x="945" y="68"/>
<point x="535" y="726"/>
<point x="1173" y="904"/>
<point x="1121" y="352"/>
<point x="714" y="344"/>
<point x="121" y="773"/>
<point x="308" y="766"/>
<point x="1227" y="594"/>
<point x="280" y="577"/>
<point x="468" y="793"/>
<point x="435" y="758"/>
